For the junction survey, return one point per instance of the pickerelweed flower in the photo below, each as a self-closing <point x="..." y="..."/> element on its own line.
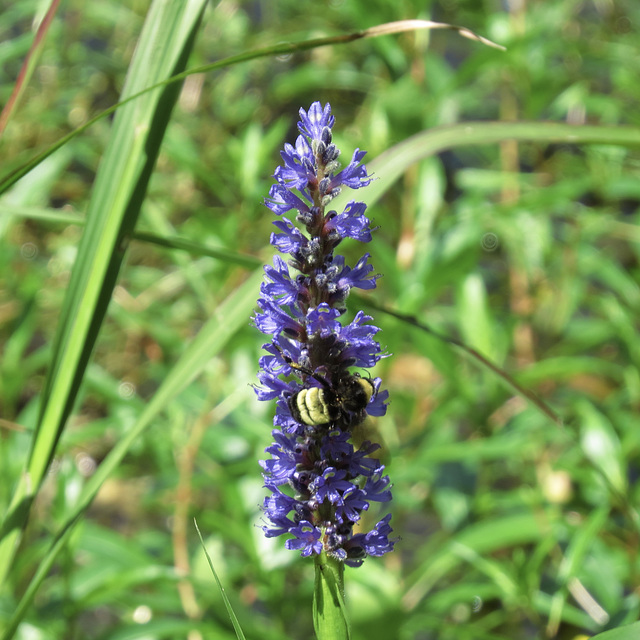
<point x="319" y="482"/>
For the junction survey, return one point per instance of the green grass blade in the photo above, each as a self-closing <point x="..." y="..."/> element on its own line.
<point x="230" y="317"/>
<point x="29" y="65"/>
<point x="197" y="248"/>
<point x="234" y="620"/>
<point x="391" y="164"/>
<point x="575" y="555"/>
<point x="162" y="50"/>
<point x="272" y="50"/>
<point x="628" y="632"/>
<point x="58" y="216"/>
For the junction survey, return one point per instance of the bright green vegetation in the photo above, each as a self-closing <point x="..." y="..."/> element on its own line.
<point x="509" y="223"/>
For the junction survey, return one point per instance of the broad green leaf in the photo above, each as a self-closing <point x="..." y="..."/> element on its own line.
<point x="475" y="317"/>
<point x="601" y="445"/>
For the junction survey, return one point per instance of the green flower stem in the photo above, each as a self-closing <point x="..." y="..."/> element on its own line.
<point x="329" y="612"/>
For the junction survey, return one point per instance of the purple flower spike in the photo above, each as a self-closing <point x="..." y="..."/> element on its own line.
<point x="320" y="483"/>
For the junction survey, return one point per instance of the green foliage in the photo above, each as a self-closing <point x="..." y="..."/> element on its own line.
<point x="507" y="199"/>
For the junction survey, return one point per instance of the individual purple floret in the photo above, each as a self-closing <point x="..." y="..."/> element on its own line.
<point x="319" y="482"/>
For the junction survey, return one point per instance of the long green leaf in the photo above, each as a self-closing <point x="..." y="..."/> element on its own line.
<point x="573" y="559"/>
<point x="272" y="50"/>
<point x="58" y="216"/>
<point x="210" y="340"/>
<point x="391" y="164"/>
<point x="232" y="614"/>
<point x="28" y="66"/>
<point x="121" y="183"/>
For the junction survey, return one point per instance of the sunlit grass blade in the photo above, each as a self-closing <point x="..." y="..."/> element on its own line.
<point x="391" y="164"/>
<point x="61" y="217"/>
<point x="120" y="185"/>
<point x="198" y="249"/>
<point x="230" y="316"/>
<point x="575" y="555"/>
<point x="272" y="50"/>
<point x="234" y="620"/>
<point x="411" y="25"/>
<point x="28" y="66"/>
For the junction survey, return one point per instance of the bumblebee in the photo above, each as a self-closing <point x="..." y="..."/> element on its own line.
<point x="343" y="402"/>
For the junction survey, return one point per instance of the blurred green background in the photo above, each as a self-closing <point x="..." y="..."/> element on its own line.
<point x="510" y="526"/>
